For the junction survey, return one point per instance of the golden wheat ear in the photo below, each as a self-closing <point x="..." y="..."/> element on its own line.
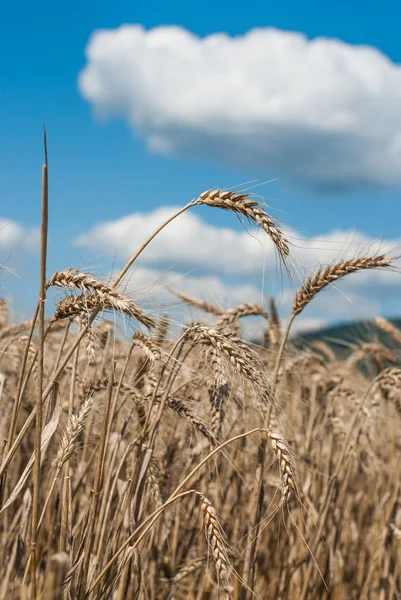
<point x="331" y="274"/>
<point x="241" y="204"/>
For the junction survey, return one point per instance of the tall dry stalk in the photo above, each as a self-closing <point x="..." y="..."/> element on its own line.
<point x="41" y="338"/>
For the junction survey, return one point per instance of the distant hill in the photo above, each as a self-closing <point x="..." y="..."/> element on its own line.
<point x="342" y="337"/>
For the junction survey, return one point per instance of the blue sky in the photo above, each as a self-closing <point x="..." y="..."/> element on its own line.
<point x="102" y="169"/>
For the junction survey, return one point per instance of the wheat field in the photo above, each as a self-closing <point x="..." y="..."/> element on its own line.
<point x="193" y="464"/>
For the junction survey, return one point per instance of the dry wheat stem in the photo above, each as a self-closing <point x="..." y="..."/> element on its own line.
<point x="67" y="447"/>
<point x="39" y="392"/>
<point x="331" y="485"/>
<point x="12" y="449"/>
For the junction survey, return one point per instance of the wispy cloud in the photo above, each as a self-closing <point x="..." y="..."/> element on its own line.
<point x="318" y="112"/>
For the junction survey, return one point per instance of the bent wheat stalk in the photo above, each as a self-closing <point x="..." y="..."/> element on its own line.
<point x="316" y="283"/>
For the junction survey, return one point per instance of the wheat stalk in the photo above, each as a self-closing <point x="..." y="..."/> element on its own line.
<point x="243" y="359"/>
<point x="182" y="409"/>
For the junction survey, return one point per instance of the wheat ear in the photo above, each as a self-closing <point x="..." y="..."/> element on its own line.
<point x="147" y="346"/>
<point x="389" y="328"/>
<point x="198" y="303"/>
<point x="3" y="313"/>
<point x="243" y="205"/>
<point x="217" y="542"/>
<point x="232" y="315"/>
<point x="333" y="273"/>
<point x="287" y="469"/>
<point x="86" y="303"/>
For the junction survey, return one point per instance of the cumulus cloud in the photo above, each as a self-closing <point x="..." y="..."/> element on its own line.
<point x="189" y="242"/>
<point x="229" y="266"/>
<point x="319" y="112"/>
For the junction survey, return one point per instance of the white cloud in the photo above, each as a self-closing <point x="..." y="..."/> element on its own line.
<point x="228" y="267"/>
<point x="320" y="112"/>
<point x="189" y="242"/>
<point x="14" y="238"/>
